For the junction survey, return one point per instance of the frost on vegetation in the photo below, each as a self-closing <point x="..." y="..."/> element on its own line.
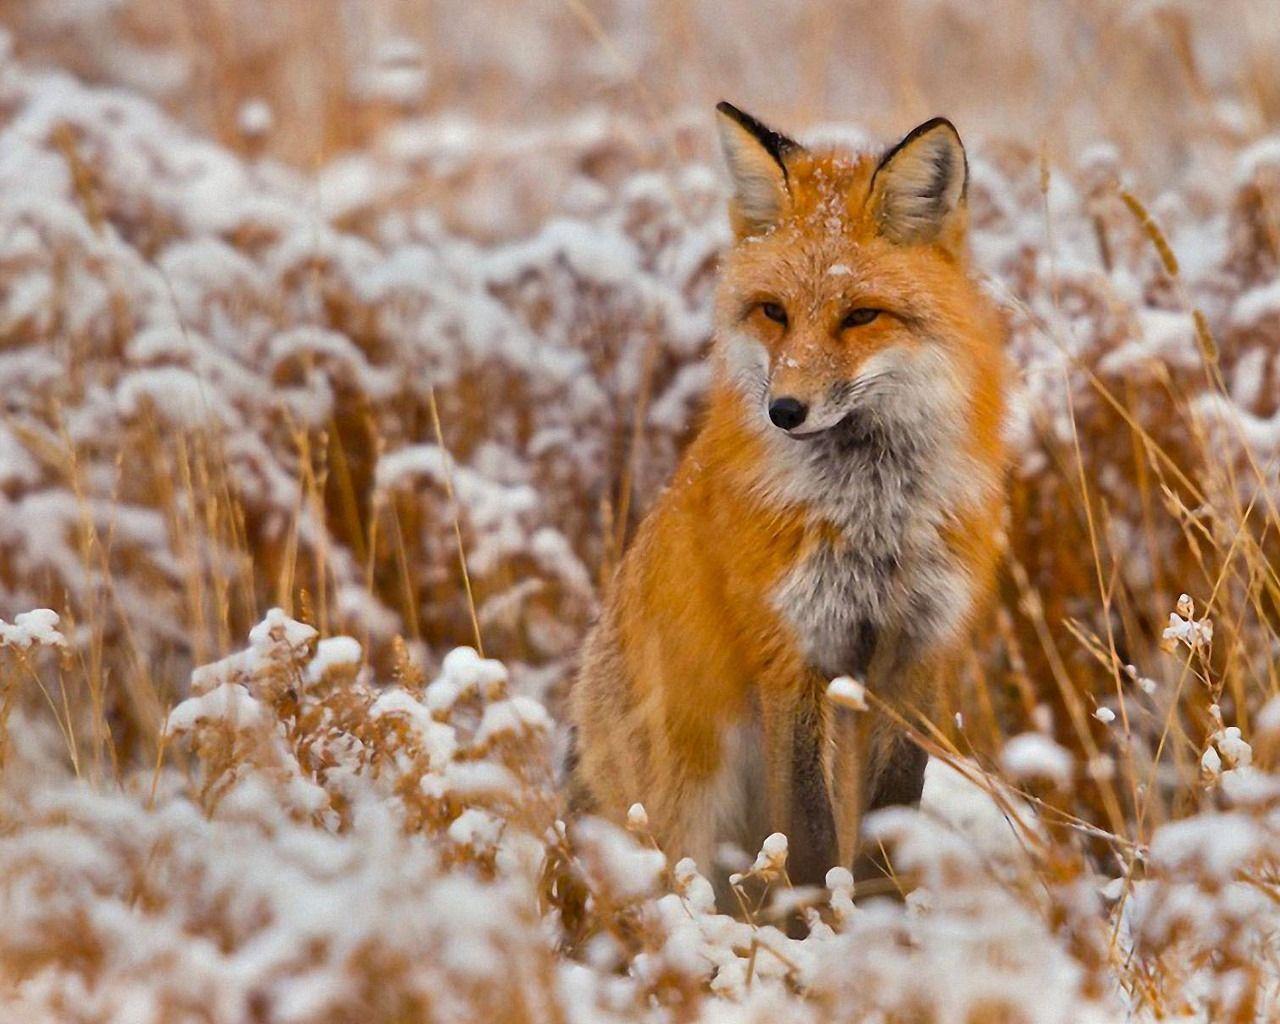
<point x="637" y="818"/>
<point x="215" y="303"/>
<point x="341" y="849"/>
<point x="259" y="320"/>
<point x="255" y="118"/>
<point x="1227" y="755"/>
<point x="771" y="861"/>
<point x="334" y="654"/>
<point x="303" y="868"/>
<point x="1034" y="756"/>
<point x="37" y="628"/>
<point x="208" y="339"/>
<point x="847" y="692"/>
<point x="1186" y="630"/>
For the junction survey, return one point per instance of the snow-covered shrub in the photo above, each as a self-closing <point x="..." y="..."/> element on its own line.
<point x="267" y="397"/>
<point x="338" y="851"/>
<point x="418" y="394"/>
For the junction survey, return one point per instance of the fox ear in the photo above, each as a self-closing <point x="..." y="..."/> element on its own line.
<point x="918" y="190"/>
<point x="756" y="156"/>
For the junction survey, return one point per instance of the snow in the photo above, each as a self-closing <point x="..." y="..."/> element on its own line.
<point x="177" y="396"/>
<point x="847" y="692"/>
<point x="255" y="118"/>
<point x="437" y="739"/>
<point x="1184" y="629"/>
<point x="517" y="715"/>
<point x="1227" y="757"/>
<point x="277" y="633"/>
<point x="985" y="813"/>
<point x="1218" y="842"/>
<point x="217" y="375"/>
<point x="230" y="702"/>
<point x="1258" y="158"/>
<point x="334" y="652"/>
<point x="1211" y="762"/>
<point x="476" y="828"/>
<point x="1163" y="336"/>
<point x="32" y="629"/>
<point x="629" y="871"/>
<point x="465" y="667"/>
<point x="1256" y="304"/>
<point x="1267" y="721"/>
<point x="637" y="819"/>
<point x="1033" y="755"/>
<point x="772" y="857"/>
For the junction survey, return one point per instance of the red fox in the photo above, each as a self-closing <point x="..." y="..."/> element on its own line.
<point x="835" y="515"/>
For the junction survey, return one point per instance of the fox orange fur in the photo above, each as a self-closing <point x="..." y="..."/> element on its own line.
<point x="836" y="514"/>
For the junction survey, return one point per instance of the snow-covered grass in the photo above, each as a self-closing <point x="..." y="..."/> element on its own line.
<point x="301" y="412"/>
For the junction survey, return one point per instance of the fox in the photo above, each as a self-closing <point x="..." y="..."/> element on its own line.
<point x="836" y="514"/>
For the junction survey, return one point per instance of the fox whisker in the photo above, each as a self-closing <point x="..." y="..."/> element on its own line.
<point x="849" y="392"/>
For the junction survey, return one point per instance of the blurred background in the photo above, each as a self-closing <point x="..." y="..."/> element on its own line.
<point x="1159" y="79"/>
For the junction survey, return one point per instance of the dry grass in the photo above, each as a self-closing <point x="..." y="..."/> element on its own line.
<point x="411" y="373"/>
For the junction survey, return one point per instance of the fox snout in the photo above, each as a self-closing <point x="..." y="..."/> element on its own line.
<point x="810" y="382"/>
<point x="805" y="408"/>
<point x="797" y="396"/>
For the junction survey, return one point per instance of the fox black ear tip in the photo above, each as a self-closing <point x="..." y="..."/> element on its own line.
<point x="919" y="131"/>
<point x="938" y="122"/>
<point x="728" y="109"/>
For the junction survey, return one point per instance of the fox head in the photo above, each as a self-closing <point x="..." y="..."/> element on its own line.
<point x="846" y="293"/>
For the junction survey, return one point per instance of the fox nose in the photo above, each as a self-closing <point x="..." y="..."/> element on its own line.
<point x="787" y="413"/>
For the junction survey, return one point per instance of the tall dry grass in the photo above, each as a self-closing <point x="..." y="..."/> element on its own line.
<point x="417" y="382"/>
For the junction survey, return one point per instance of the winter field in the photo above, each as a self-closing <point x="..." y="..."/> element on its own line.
<point x="340" y="341"/>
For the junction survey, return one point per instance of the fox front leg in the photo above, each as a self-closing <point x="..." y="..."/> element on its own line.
<point x="797" y="794"/>
<point x="851" y="736"/>
<point x="893" y="775"/>
<point x="897" y="780"/>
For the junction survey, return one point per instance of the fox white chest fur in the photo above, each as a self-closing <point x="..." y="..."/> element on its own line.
<point x="886" y="575"/>
<point x="880" y="487"/>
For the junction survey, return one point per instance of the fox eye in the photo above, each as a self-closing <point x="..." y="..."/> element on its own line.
<point x="859" y="317"/>
<point x="774" y="312"/>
